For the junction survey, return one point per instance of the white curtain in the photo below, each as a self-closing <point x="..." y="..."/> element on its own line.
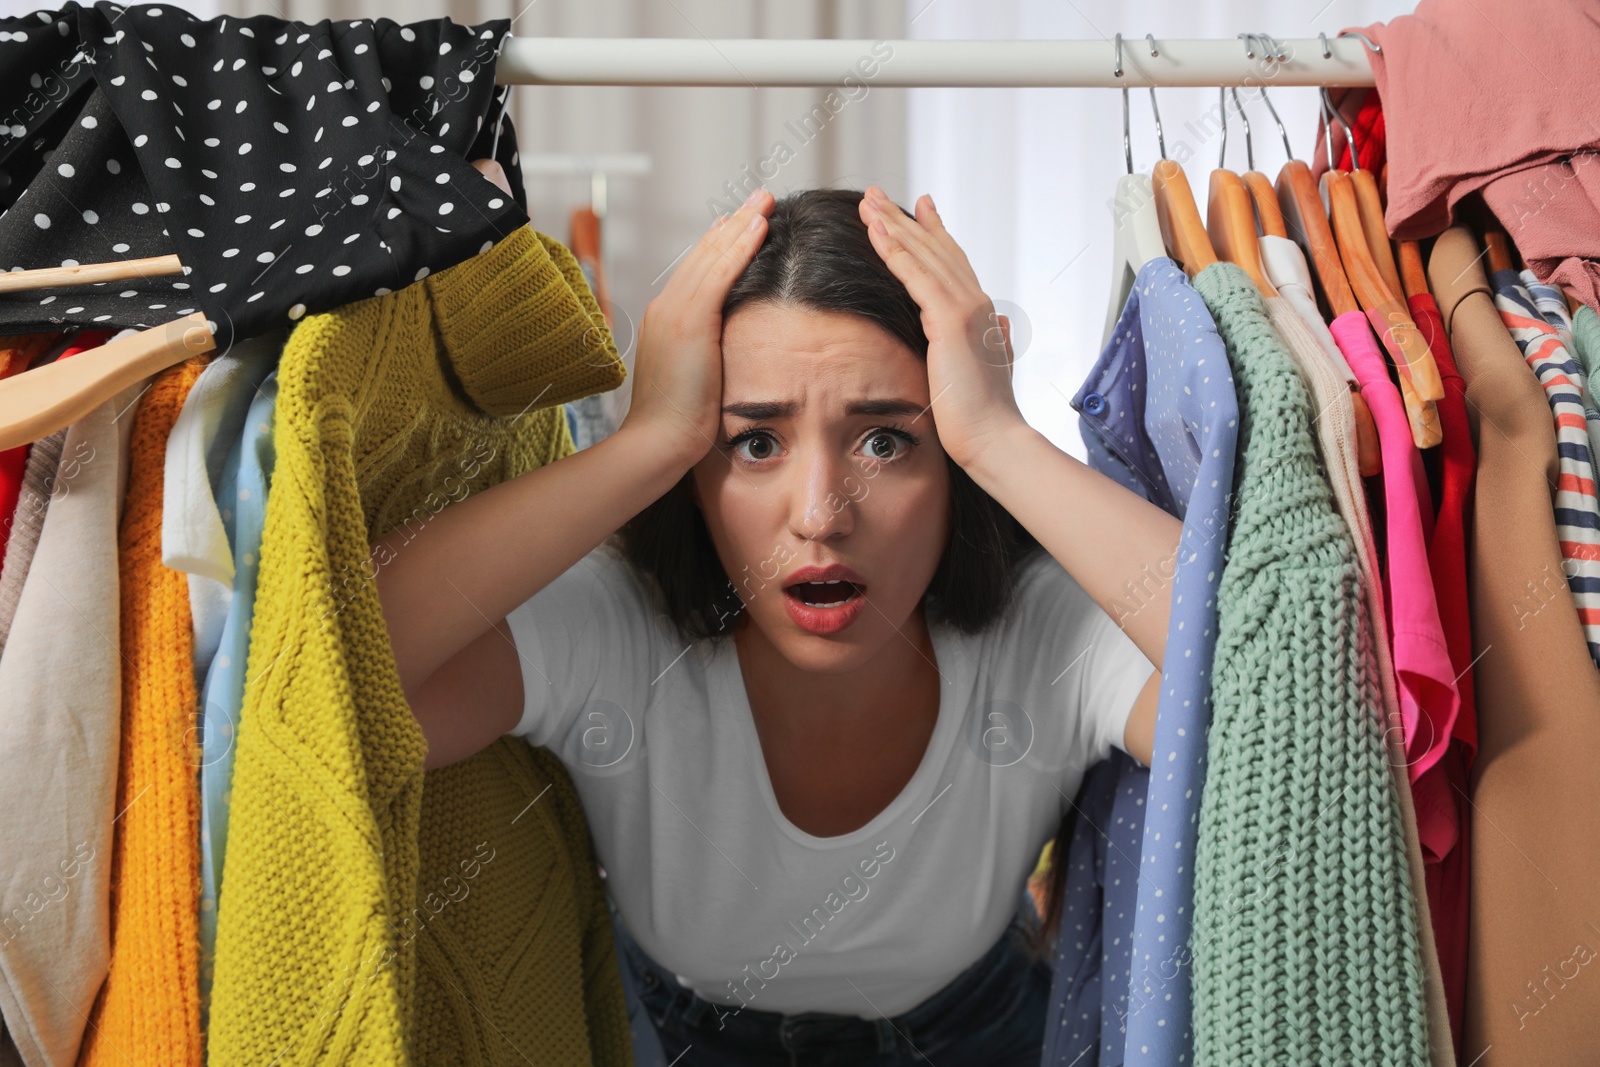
<point x="1024" y="177"/>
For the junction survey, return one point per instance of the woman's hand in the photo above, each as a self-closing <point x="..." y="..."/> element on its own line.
<point x="677" y="375"/>
<point x="969" y="346"/>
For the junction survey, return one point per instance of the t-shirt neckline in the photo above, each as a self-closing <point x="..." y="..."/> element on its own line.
<point x="728" y="690"/>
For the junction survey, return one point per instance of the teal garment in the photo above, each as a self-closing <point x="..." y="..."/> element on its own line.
<point x="242" y="501"/>
<point x="1305" y="943"/>
<point x="1586" y="349"/>
<point x="1586" y="341"/>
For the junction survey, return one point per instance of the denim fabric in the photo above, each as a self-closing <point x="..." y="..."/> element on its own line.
<point x="990" y="1015"/>
<point x="646" y="1042"/>
<point x="1160" y="404"/>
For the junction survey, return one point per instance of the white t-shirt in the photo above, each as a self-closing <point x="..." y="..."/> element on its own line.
<point x="719" y="887"/>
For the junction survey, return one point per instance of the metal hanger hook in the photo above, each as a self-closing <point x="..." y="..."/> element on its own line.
<point x="1281" y="131"/>
<point x="1349" y="134"/>
<point x="1327" y="53"/>
<point x="1249" y="143"/>
<point x="1161" y="137"/>
<point x="1155" y="111"/>
<point x="1222" y="102"/>
<point x="1368" y="41"/>
<point x="1127" y="139"/>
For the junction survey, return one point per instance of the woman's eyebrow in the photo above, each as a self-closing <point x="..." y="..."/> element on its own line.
<point x="757" y="410"/>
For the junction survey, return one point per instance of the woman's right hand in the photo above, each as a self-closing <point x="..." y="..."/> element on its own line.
<point x="677" y="374"/>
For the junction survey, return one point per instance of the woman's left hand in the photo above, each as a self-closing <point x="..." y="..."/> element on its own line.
<point x="969" y="346"/>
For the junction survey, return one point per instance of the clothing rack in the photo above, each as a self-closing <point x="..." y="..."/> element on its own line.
<point x="751" y="63"/>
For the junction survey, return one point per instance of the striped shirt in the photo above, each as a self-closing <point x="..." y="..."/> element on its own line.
<point x="1553" y="306"/>
<point x="1577" y="509"/>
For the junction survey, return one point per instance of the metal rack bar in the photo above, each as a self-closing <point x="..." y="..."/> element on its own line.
<point x="803" y="62"/>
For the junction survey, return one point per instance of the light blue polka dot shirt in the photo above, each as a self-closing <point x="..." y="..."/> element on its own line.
<point x="1159" y="415"/>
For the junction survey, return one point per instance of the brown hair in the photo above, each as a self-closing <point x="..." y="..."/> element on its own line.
<point x="817" y="255"/>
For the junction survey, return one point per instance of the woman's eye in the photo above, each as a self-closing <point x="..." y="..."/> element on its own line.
<point x="756" y="448"/>
<point x="884" y="445"/>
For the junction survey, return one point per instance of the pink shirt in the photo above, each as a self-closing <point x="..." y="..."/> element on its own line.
<point x="1429" y="701"/>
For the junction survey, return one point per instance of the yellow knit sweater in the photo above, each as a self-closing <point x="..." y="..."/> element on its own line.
<point x="148" y="1009"/>
<point x="330" y="947"/>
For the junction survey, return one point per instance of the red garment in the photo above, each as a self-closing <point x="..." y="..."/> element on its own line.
<point x="1370" y="132"/>
<point x="1495" y="97"/>
<point x="16" y="352"/>
<point x="1449" y="876"/>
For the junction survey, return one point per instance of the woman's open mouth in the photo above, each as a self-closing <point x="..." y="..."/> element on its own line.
<point x="824" y="607"/>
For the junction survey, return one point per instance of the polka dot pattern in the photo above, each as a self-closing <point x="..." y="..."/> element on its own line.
<point x="1159" y="414"/>
<point x="276" y="140"/>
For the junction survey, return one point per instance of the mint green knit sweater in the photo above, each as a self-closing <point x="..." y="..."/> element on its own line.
<point x="1305" y="937"/>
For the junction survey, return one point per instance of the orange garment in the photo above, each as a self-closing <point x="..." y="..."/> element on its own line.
<point x="148" y="1010"/>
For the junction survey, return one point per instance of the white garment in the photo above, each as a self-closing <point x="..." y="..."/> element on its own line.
<point x="1285" y="267"/>
<point x="193" y="539"/>
<point x="60" y="688"/>
<point x="711" y="878"/>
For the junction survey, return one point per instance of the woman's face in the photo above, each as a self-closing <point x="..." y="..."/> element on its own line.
<point x="828" y="456"/>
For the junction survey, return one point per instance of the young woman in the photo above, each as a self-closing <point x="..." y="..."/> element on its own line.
<point x="825" y="634"/>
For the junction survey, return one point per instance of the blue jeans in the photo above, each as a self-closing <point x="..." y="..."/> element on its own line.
<point x="991" y="1014"/>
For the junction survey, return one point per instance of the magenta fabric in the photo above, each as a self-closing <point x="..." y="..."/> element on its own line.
<point x="1429" y="701"/>
<point x="1499" y="98"/>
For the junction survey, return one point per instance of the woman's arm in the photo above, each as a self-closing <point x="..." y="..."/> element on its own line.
<point x="1120" y="547"/>
<point x="446" y="587"/>
<point x="1115" y="544"/>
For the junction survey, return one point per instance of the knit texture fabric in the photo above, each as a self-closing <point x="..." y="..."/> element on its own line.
<point x="148" y="1010"/>
<point x="26" y="523"/>
<point x="376" y="427"/>
<point x="1305" y="936"/>
<point x="514" y="940"/>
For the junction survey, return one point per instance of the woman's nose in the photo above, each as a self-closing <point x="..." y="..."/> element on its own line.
<point x="821" y="505"/>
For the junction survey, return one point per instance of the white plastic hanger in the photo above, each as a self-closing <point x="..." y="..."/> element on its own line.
<point x="1136" y="237"/>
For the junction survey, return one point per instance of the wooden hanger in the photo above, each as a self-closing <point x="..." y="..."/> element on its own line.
<point x="1231" y="217"/>
<point x="1231" y="222"/>
<point x="1307" y="220"/>
<point x="1499" y="246"/>
<point x="1370" y="204"/>
<point x="1413" y="277"/>
<point x="1268" y="213"/>
<point x="1420" y="384"/>
<point x="1269" y="217"/>
<point x="1308" y="225"/>
<point x="1183" y="234"/>
<point x="22" y="281"/>
<point x="38" y="402"/>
